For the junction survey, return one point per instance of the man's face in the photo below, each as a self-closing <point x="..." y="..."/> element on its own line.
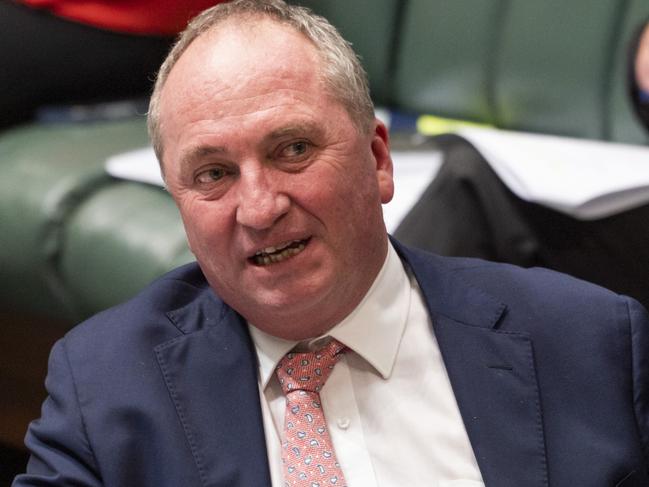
<point x="279" y="193"/>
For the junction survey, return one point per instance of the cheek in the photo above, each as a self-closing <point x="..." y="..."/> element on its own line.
<point x="352" y="210"/>
<point x="202" y="226"/>
<point x="210" y="248"/>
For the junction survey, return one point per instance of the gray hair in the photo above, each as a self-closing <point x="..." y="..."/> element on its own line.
<point x="343" y="74"/>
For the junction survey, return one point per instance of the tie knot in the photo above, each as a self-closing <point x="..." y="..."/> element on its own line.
<point x="308" y="371"/>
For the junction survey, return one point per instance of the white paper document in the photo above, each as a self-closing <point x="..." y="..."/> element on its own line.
<point x="586" y="179"/>
<point x="137" y="165"/>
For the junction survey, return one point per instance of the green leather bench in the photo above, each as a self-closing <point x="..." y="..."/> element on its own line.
<point x="74" y="240"/>
<point x="551" y="67"/>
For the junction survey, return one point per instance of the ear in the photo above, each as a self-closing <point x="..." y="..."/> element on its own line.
<point x="381" y="153"/>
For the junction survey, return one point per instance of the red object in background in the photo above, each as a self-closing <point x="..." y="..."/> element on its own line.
<point x="146" y="17"/>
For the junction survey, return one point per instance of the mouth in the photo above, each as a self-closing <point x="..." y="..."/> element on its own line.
<point x="275" y="254"/>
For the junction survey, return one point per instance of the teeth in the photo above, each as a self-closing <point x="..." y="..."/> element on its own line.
<point x="271" y="255"/>
<point x="272" y="250"/>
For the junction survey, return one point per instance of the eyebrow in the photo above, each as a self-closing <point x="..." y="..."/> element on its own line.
<point x="200" y="152"/>
<point x="299" y="128"/>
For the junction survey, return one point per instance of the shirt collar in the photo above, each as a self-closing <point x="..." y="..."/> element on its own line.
<point x="373" y="330"/>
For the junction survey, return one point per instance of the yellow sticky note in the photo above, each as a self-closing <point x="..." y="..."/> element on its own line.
<point x="432" y="125"/>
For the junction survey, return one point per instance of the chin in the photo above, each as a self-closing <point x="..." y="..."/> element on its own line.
<point x="295" y="302"/>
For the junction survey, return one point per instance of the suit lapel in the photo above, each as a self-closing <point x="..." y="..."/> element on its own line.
<point x="210" y="372"/>
<point x="492" y="374"/>
<point x="211" y="375"/>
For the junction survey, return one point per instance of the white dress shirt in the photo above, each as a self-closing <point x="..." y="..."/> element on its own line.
<point x="388" y="403"/>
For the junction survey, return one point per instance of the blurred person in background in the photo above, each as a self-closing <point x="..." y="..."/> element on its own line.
<point x="63" y="52"/>
<point x="639" y="77"/>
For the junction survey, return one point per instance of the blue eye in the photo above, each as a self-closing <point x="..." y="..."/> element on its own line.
<point x="299" y="147"/>
<point x="210" y="175"/>
<point x="296" y="149"/>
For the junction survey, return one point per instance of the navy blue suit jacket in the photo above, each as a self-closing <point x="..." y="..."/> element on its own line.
<point x="550" y="374"/>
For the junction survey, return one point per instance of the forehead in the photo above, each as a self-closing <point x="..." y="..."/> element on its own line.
<point x="240" y="61"/>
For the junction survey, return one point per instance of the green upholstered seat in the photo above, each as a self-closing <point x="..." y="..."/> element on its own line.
<point x="554" y="66"/>
<point x="444" y="57"/>
<point x="370" y="26"/>
<point x="118" y="240"/>
<point x="47" y="170"/>
<point x="49" y="173"/>
<point x="551" y="67"/>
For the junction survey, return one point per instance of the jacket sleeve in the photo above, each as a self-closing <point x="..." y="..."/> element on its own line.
<point x="60" y="452"/>
<point x="639" y="321"/>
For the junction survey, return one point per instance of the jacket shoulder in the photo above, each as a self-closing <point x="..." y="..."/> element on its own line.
<point x="532" y="297"/>
<point x="147" y="313"/>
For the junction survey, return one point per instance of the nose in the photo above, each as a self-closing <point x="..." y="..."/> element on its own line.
<point x="260" y="203"/>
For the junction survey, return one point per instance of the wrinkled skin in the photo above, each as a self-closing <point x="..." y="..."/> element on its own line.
<point x="257" y="154"/>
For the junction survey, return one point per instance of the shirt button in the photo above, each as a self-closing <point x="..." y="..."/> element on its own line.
<point x="343" y="423"/>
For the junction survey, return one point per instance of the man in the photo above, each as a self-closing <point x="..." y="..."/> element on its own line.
<point x="449" y="372"/>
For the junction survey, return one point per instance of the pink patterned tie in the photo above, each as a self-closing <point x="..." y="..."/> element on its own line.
<point x="307" y="452"/>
